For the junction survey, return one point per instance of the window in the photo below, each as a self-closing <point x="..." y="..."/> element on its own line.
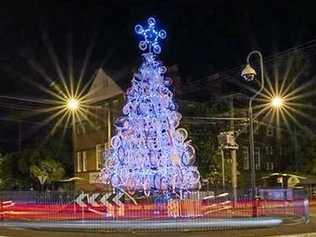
<point x="269" y="165"/>
<point x="81" y="127"/>
<point x="245" y="154"/>
<point x="269" y="150"/>
<point x="79" y="163"/>
<point x="98" y="118"/>
<point x="100" y="149"/>
<point x="257" y="158"/>
<point x="281" y="151"/>
<point x="77" y="126"/>
<point x="270" y="131"/>
<point x="245" y="129"/>
<point x="279" y="133"/>
<point x="84" y="161"/>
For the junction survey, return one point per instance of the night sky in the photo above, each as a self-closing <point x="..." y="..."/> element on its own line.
<point x="203" y="36"/>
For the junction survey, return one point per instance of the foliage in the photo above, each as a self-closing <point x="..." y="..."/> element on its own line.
<point x="51" y="168"/>
<point x="216" y="172"/>
<point x="309" y="156"/>
<point x="18" y="170"/>
<point x="203" y="134"/>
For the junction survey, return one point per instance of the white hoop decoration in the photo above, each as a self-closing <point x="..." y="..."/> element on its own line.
<point x="172" y="106"/>
<point x="176" y="119"/>
<point x="163" y="184"/>
<point x="115" y="142"/>
<point x="147" y="192"/>
<point x="142" y="45"/>
<point x="139" y="29"/>
<point x="157" y="181"/>
<point x="162" y="69"/>
<point x="146" y="188"/>
<point x="130" y="186"/>
<point x="181" y="134"/>
<point x="185" y="159"/>
<point x="193" y="176"/>
<point x="157" y="49"/>
<point x="190" y="151"/>
<point x="115" y="180"/>
<point x="109" y="163"/>
<point x="151" y="21"/>
<point x="167" y="81"/>
<point x="153" y="159"/>
<point x="126" y="109"/>
<point x="162" y="34"/>
<point x="121" y="154"/>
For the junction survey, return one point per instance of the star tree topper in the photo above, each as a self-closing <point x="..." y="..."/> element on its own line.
<point x="151" y="36"/>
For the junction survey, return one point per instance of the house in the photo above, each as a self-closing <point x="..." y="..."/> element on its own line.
<point x="92" y="136"/>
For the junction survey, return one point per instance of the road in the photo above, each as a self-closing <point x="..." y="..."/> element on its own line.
<point x="286" y="229"/>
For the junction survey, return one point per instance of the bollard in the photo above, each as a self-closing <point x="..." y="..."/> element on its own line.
<point x="1" y="211"/>
<point x="306" y="211"/>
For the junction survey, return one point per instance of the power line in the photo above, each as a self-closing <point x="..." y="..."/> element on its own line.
<point x="277" y="56"/>
<point x="20" y="121"/>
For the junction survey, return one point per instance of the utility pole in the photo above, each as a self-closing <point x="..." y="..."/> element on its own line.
<point x="233" y="151"/>
<point x="223" y="167"/>
<point x="296" y="161"/>
<point x="20" y="135"/>
<point x="226" y="140"/>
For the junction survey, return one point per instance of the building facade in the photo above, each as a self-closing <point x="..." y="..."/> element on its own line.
<point x="91" y="137"/>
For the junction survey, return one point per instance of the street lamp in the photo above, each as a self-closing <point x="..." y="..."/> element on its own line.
<point x="249" y="74"/>
<point x="277" y="102"/>
<point x="72" y="104"/>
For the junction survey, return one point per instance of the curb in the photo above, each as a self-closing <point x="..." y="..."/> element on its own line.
<point x="148" y="226"/>
<point x="311" y="234"/>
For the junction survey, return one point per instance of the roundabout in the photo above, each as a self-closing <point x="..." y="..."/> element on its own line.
<point x="148" y="226"/>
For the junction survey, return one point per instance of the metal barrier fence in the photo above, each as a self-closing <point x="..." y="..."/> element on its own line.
<point x="120" y="211"/>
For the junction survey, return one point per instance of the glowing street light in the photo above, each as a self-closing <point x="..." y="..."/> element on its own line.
<point x="277" y="102"/>
<point x="72" y="104"/>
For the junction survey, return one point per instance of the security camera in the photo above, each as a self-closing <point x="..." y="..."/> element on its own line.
<point x="249" y="77"/>
<point x="248" y="73"/>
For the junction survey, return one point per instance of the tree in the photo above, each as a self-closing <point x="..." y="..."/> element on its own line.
<point x="309" y="156"/>
<point x="18" y="170"/>
<point x="148" y="151"/>
<point x="51" y="168"/>
<point x="5" y="175"/>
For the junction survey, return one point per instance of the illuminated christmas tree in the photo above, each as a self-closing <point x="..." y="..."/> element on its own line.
<point x="149" y="152"/>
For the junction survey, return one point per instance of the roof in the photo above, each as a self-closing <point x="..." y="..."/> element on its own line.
<point x="102" y="88"/>
<point x="283" y="174"/>
<point x="309" y="180"/>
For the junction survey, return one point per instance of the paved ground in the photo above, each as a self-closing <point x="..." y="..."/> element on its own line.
<point x="286" y="229"/>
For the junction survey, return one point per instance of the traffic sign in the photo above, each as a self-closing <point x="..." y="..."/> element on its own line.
<point x="42" y="179"/>
<point x="98" y="199"/>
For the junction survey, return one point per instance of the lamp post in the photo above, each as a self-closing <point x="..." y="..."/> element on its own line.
<point x="277" y="102"/>
<point x="249" y="74"/>
<point x="72" y="104"/>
